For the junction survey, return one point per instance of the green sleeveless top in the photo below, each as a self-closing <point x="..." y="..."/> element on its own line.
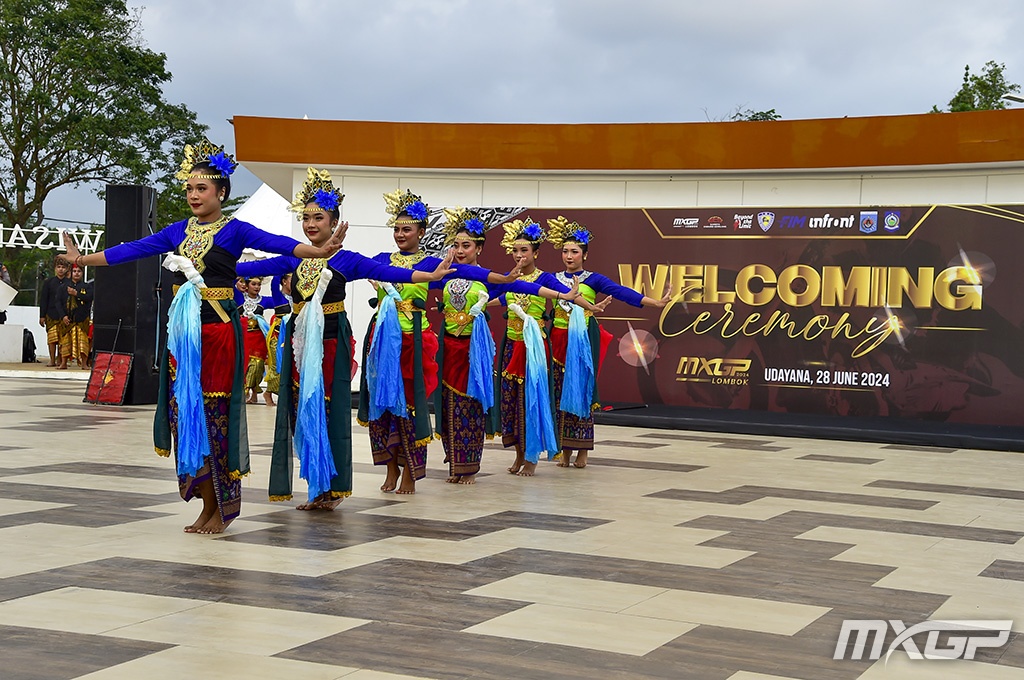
<point x="534" y="305"/>
<point x="563" y="308"/>
<point x="408" y="291"/>
<point x="459" y="296"/>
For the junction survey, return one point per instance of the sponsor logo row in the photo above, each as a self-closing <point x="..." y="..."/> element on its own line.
<point x="867" y="222"/>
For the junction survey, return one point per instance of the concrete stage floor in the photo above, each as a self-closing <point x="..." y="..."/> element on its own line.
<point x="674" y="554"/>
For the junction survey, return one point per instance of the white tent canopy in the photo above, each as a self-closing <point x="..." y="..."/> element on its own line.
<point x="268" y="211"/>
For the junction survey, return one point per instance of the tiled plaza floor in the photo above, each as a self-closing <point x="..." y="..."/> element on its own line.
<point x="673" y="555"/>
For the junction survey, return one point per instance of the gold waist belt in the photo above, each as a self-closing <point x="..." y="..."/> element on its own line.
<point x="405" y="306"/>
<point x="211" y="293"/>
<point x="563" y="315"/>
<point x="329" y="308"/>
<point x="460" y="318"/>
<point x="516" y="324"/>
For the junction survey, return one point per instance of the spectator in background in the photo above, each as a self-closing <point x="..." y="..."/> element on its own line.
<point x="50" y="310"/>
<point x="76" y="302"/>
<point x="5" y="276"/>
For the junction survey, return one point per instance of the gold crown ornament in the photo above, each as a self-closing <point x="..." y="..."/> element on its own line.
<point x="206" y="152"/>
<point x="521" y="230"/>
<point x="319" y="189"/>
<point x="461" y="219"/>
<point x="397" y="202"/>
<point x="562" y="230"/>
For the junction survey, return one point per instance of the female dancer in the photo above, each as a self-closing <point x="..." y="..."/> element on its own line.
<point x="466" y="354"/>
<point x="201" y="399"/>
<point x="522" y="239"/>
<point x="255" y="337"/>
<point x="400" y="442"/>
<point x="316" y="362"/>
<point x="575" y="428"/>
<point x="280" y="287"/>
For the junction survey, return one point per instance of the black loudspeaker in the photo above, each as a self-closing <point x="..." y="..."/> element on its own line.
<point x="129" y="301"/>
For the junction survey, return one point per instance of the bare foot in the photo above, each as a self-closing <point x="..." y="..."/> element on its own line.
<point x="581" y="459"/>
<point x="467" y="479"/>
<point x="205" y="516"/>
<point x="50" y="365"/>
<point x="391" y="481"/>
<point x="408" y="485"/>
<point x="517" y="464"/>
<point x="528" y="470"/>
<point x="563" y="458"/>
<point x="269" y="398"/>
<point x="454" y="479"/>
<point x="215" y="525"/>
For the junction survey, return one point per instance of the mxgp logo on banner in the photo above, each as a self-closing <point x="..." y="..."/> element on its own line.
<point x="975" y="634"/>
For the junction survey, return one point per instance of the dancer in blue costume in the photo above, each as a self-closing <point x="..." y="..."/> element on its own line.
<point x="577" y="349"/>
<point x="201" y="396"/>
<point x="465" y="404"/>
<point x="524" y="388"/>
<point x="280" y="302"/>
<point x="317" y="357"/>
<point x="400" y="442"/>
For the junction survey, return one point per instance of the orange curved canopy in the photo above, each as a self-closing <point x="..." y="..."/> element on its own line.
<point x="880" y="141"/>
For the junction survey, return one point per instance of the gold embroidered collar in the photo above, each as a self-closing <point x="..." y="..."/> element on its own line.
<point x="199" y="240"/>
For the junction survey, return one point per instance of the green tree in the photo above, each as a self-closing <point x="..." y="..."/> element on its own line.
<point x="750" y="114"/>
<point x="982" y="92"/>
<point x="80" y="101"/>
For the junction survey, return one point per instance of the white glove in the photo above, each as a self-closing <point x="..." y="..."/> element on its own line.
<point x="325" y="278"/>
<point x="180" y="263"/>
<point x="518" y="311"/>
<point x="481" y="302"/>
<point x="390" y="290"/>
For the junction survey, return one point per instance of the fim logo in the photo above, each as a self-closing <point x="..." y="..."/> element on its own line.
<point x="962" y="638"/>
<point x="715" y="371"/>
<point x="765" y="220"/>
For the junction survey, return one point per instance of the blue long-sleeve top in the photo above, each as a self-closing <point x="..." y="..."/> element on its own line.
<point x="216" y="264"/>
<point x="347" y="265"/>
<point x="545" y="280"/>
<point x="602" y="284"/>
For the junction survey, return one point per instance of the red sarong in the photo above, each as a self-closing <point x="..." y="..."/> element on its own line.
<point x="560" y="340"/>
<point x="455" y="371"/>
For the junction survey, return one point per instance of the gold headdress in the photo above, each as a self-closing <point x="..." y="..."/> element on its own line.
<point x="461" y="219"/>
<point x="522" y="230"/>
<point x="318" y="188"/>
<point x="397" y="202"/>
<point x="206" y="152"/>
<point x="562" y="230"/>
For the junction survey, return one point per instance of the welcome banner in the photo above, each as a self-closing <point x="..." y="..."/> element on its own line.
<point x="899" y="311"/>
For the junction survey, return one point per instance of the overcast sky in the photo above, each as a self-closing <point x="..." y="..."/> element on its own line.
<point x="573" y="61"/>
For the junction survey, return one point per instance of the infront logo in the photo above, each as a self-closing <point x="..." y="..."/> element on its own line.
<point x="975" y="634"/>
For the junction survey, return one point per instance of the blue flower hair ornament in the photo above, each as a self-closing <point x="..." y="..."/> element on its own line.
<point x="562" y="230"/>
<point x="533" y="232"/>
<point x="475" y="226"/>
<point x="319" y="189"/>
<point x="328" y="200"/>
<point x="222" y="163"/>
<point x="580" y="236"/>
<point x="458" y="220"/>
<point x="416" y="210"/>
<point x="206" y="151"/>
